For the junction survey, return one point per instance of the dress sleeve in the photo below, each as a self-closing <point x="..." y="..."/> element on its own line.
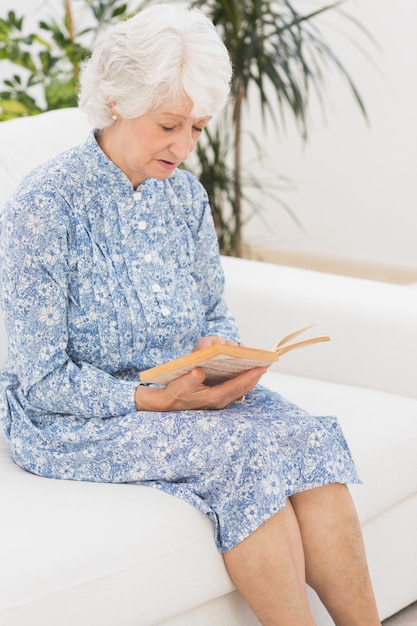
<point x="34" y="258"/>
<point x="209" y="274"/>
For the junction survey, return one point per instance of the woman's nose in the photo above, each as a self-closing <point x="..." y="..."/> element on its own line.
<point x="183" y="145"/>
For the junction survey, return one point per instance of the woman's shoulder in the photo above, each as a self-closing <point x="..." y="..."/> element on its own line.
<point x="50" y="176"/>
<point x="56" y="181"/>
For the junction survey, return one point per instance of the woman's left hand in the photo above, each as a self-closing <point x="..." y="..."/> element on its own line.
<point x="189" y="392"/>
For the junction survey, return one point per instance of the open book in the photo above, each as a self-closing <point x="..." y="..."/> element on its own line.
<point x="222" y="361"/>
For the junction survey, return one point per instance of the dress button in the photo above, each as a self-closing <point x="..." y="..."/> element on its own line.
<point x="137" y="195"/>
<point x="147" y="258"/>
<point x="165" y="311"/>
<point x="156" y="288"/>
<point x="142" y="225"/>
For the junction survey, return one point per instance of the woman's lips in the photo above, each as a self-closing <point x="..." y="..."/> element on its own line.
<point x="167" y="165"/>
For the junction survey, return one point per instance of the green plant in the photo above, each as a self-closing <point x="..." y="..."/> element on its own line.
<point x="212" y="164"/>
<point x="48" y="60"/>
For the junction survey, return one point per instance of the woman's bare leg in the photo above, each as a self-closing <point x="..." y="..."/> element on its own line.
<point x="268" y="569"/>
<point x="334" y="553"/>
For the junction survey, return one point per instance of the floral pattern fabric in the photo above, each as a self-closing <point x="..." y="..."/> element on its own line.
<point x="100" y="281"/>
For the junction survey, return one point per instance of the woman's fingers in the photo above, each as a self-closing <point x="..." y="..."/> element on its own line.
<point x="190" y="392"/>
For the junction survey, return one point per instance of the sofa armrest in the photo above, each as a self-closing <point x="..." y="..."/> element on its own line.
<point x="373" y="325"/>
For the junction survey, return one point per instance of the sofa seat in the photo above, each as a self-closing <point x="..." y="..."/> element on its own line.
<point x="103" y="538"/>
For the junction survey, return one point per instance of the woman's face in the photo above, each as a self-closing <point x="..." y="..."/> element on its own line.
<point x="154" y="144"/>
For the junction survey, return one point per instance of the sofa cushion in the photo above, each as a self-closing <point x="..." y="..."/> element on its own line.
<point x="380" y="427"/>
<point x="108" y="545"/>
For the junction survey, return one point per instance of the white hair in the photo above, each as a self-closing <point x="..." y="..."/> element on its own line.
<point x="160" y="56"/>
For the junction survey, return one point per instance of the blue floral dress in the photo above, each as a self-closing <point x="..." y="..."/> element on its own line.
<point x="101" y="281"/>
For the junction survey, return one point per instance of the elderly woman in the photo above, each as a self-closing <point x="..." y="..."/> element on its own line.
<point x="110" y="265"/>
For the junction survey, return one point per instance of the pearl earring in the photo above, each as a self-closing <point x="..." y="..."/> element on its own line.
<point x="114" y="117"/>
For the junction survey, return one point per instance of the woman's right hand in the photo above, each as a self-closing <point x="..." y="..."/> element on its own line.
<point x="189" y="392"/>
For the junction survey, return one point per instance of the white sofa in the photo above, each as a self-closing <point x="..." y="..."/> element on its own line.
<point x="84" y="554"/>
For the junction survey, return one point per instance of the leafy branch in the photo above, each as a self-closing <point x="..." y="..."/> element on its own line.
<point x="48" y="60"/>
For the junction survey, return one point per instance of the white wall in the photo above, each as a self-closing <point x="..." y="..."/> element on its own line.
<point x="356" y="193"/>
<point x="356" y="187"/>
